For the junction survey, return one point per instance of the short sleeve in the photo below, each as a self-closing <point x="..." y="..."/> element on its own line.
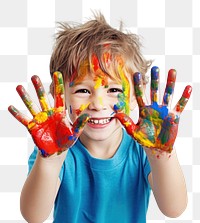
<point x="32" y="159"/>
<point x="147" y="168"/>
<point x="146" y="165"/>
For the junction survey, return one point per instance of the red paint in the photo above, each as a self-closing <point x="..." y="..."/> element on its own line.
<point x="123" y="118"/>
<point x="59" y="101"/>
<point x="95" y="62"/>
<point x="36" y="80"/>
<point x="187" y="92"/>
<point x="20" y="117"/>
<point x="21" y="91"/>
<point x="171" y="76"/>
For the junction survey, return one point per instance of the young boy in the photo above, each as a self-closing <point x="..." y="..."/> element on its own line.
<point x="92" y="170"/>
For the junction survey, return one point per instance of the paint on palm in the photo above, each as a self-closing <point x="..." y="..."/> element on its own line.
<point x="157" y="127"/>
<point x="49" y="128"/>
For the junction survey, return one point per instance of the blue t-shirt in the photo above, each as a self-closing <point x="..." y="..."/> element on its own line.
<point x="92" y="190"/>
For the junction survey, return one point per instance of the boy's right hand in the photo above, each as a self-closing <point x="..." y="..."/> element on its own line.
<point x="49" y="128"/>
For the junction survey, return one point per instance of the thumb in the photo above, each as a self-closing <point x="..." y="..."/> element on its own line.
<point x="80" y="123"/>
<point x="67" y="134"/>
<point x="127" y="122"/>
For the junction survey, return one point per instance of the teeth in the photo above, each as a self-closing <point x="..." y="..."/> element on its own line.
<point x="99" y="121"/>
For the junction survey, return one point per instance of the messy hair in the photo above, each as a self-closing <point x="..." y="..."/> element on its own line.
<point x="75" y="43"/>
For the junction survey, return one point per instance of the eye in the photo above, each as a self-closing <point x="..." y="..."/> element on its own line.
<point x="84" y="91"/>
<point x="115" y="90"/>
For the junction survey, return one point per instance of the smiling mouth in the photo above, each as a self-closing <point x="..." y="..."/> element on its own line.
<point x="99" y="121"/>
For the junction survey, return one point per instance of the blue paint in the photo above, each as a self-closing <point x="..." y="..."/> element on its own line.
<point x="154" y="73"/>
<point x="163" y="110"/>
<point x="137" y="78"/>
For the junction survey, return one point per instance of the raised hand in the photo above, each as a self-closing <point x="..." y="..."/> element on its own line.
<point x="157" y="127"/>
<point x="49" y="128"/>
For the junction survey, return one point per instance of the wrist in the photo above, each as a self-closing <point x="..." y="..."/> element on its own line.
<point x="158" y="154"/>
<point x="54" y="158"/>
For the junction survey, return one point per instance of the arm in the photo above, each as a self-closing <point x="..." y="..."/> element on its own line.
<point x="156" y="131"/>
<point x="53" y="134"/>
<point x="167" y="183"/>
<point x="40" y="188"/>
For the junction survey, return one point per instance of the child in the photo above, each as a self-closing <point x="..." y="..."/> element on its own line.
<point x="92" y="170"/>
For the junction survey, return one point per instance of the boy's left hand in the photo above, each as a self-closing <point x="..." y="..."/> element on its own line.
<point x="157" y="127"/>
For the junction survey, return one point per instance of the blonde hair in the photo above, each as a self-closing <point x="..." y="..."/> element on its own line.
<point x="76" y="43"/>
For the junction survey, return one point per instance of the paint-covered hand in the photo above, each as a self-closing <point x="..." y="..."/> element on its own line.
<point x="157" y="126"/>
<point x="49" y="128"/>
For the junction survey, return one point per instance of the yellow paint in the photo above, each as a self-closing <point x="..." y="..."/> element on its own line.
<point x="127" y="123"/>
<point x="155" y="97"/>
<point x="29" y="104"/>
<point x="141" y="138"/>
<point x="98" y="82"/>
<point x="31" y="124"/>
<point x="41" y="117"/>
<point x="59" y="109"/>
<point x="126" y="88"/>
<point x="44" y="103"/>
<point x="100" y="100"/>
<point x="84" y="106"/>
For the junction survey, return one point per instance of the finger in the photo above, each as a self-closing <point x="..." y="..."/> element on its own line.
<point x="32" y="107"/>
<point x="127" y="122"/>
<point x="154" y="84"/>
<point x="19" y="116"/>
<point x="184" y="99"/>
<point x="138" y="87"/>
<point x="68" y="134"/>
<point x="171" y="79"/>
<point x="80" y="123"/>
<point x="59" y="92"/>
<point x="43" y="99"/>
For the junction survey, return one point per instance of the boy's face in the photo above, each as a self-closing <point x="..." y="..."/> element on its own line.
<point x="98" y="95"/>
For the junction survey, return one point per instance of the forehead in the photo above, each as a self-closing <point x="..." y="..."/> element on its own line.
<point x="100" y="68"/>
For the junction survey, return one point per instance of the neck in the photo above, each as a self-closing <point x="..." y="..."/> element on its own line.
<point x="103" y="149"/>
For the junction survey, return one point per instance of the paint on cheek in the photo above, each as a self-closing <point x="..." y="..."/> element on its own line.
<point x="124" y="97"/>
<point x="70" y="109"/>
<point x="82" y="108"/>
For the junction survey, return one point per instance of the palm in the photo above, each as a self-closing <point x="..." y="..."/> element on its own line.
<point x="49" y="128"/>
<point x="45" y="134"/>
<point x="157" y="127"/>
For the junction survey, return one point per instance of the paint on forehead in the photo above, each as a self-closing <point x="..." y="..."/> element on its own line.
<point x="83" y="71"/>
<point x="124" y="97"/>
<point x="100" y="78"/>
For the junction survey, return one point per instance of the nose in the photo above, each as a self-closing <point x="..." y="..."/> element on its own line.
<point x="97" y="104"/>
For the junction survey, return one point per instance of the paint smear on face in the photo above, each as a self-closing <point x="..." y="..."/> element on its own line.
<point x="82" y="108"/>
<point x="100" y="100"/>
<point x="83" y="71"/>
<point x="124" y="97"/>
<point x="101" y="79"/>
